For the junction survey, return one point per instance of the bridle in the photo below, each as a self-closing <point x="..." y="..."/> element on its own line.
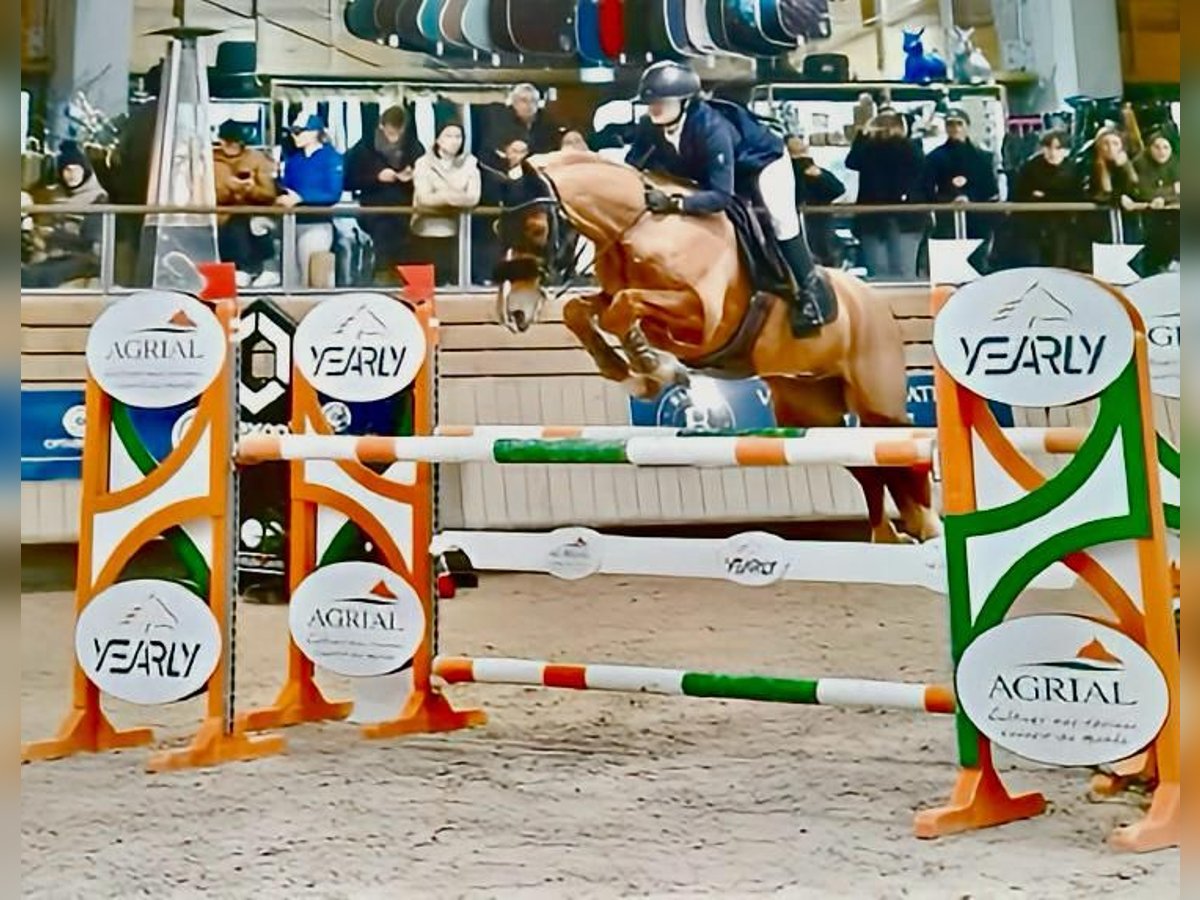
<point x="560" y="213"/>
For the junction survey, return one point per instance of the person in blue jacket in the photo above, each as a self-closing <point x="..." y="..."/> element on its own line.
<point x="726" y="151"/>
<point x="312" y="176"/>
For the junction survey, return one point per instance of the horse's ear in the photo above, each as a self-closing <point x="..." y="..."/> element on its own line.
<point x="969" y="33"/>
<point x="920" y="32"/>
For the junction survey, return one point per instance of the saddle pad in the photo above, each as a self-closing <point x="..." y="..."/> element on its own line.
<point x="476" y="25"/>
<point x="451" y="24"/>
<point x="675" y="27"/>
<point x="359" y="18"/>
<point x="587" y="32"/>
<point x="696" y="22"/>
<point x="742" y="25"/>
<point x="714" y="12"/>
<point x="498" y="26"/>
<point x="428" y="15"/>
<point x="638" y="40"/>
<point x="612" y="27"/>
<point x="770" y="22"/>
<point x="805" y="19"/>
<point x="546" y="27"/>
<point x="407" y="29"/>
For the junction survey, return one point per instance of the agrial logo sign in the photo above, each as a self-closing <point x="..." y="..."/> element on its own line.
<point x="1063" y="690"/>
<point x="148" y="641"/>
<point x="360" y="347"/>
<point x="357" y="619"/>
<point x="574" y="553"/>
<point x="156" y="349"/>
<point x="1034" y="337"/>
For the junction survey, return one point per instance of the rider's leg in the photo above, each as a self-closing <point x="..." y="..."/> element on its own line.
<point x="777" y="184"/>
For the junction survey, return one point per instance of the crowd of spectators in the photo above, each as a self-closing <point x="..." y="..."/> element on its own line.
<point x="389" y="167"/>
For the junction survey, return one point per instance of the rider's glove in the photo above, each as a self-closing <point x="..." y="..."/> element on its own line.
<point x="662" y="202"/>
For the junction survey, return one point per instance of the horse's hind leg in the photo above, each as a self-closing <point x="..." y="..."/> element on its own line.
<point x="811" y="403"/>
<point x="876" y="391"/>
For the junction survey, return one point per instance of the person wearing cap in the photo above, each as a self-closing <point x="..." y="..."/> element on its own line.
<point x="243" y="177"/>
<point x="959" y="171"/>
<point x="727" y="151"/>
<point x="67" y="245"/>
<point x="312" y="176"/>
<point x="379" y="170"/>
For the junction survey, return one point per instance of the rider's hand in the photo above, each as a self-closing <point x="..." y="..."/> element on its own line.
<point x="662" y="202"/>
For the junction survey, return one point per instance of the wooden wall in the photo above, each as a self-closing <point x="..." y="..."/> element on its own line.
<point x="487" y="376"/>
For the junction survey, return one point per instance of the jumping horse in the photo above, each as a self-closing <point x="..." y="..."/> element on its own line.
<point x="676" y="294"/>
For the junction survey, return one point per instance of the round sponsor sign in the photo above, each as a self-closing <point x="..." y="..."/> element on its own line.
<point x="1034" y="337"/>
<point x="754" y="558"/>
<point x="1157" y="299"/>
<point x="360" y="347"/>
<point x="148" y="641"/>
<point x="574" y="553"/>
<point x="358" y="619"/>
<point x="1062" y="690"/>
<point x="156" y="349"/>
<point x="74" y="421"/>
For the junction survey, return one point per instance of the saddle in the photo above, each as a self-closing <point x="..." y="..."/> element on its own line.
<point x="770" y="277"/>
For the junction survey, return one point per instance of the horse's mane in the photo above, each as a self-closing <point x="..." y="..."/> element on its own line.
<point x="547" y="162"/>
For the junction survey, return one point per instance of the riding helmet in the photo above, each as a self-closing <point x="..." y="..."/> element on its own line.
<point x="667" y="80"/>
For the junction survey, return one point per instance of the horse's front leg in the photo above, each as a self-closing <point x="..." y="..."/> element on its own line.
<point x="623" y="317"/>
<point x="580" y="315"/>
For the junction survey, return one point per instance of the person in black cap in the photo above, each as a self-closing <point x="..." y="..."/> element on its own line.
<point x="959" y="171"/>
<point x="243" y="177"/>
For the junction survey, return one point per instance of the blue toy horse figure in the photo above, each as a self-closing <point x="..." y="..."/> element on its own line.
<point x="921" y="67"/>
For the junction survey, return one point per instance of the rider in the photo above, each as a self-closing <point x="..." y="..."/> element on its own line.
<point x="691" y="138"/>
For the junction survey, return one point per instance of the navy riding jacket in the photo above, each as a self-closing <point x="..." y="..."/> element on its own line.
<point x="721" y="147"/>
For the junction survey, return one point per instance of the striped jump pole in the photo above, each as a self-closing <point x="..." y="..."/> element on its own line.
<point x="1052" y="440"/>
<point x="837" y="447"/>
<point x="845" y="692"/>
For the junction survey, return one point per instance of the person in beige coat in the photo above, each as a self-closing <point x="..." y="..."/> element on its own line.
<point x="446" y="182"/>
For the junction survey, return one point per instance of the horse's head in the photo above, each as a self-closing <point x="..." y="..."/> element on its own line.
<point x="529" y="234"/>
<point x="912" y="42"/>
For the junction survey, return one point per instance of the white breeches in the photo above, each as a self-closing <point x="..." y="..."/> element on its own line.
<point x="777" y="184"/>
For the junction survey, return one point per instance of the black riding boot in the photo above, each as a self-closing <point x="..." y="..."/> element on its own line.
<point x="813" y="305"/>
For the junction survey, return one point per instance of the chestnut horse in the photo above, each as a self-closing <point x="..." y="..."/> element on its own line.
<point x="674" y="291"/>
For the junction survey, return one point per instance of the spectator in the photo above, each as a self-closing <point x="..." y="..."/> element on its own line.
<point x="1114" y="180"/>
<point x="958" y="171"/>
<point x="819" y="187"/>
<point x="446" y="182"/>
<point x="379" y="169"/>
<point x="244" y="177"/>
<point x="1157" y="170"/>
<point x="1049" y="176"/>
<point x="312" y="176"/>
<point x="523" y="118"/>
<point x="66" y="247"/>
<point x="891" y="170"/>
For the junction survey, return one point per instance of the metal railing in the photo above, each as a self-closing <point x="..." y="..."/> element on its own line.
<point x="291" y="216"/>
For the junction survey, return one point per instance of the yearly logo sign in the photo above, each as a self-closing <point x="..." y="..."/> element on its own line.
<point x="755" y="558"/>
<point x="357" y="619"/>
<point x="1034" y="337"/>
<point x="360" y="347"/>
<point x="148" y="641"/>
<point x="1062" y="690"/>
<point x="156" y="349"/>
<point x="1157" y="299"/>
